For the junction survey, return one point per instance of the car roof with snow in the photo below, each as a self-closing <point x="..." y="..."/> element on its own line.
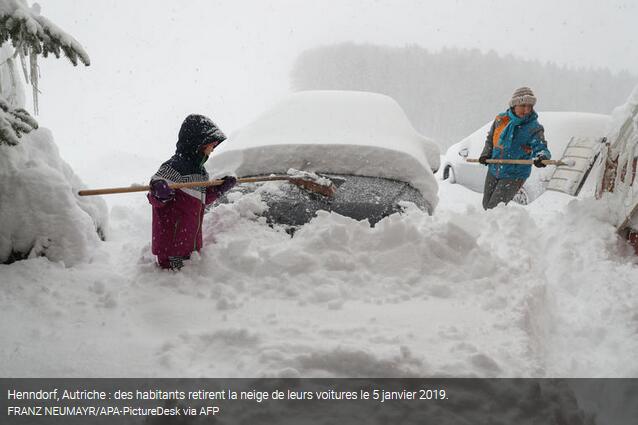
<point x="338" y="132"/>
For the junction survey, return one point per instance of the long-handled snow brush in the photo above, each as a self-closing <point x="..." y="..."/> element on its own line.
<point x="306" y="180"/>
<point x="568" y="162"/>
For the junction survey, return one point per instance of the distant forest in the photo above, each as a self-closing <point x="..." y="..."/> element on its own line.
<point x="449" y="94"/>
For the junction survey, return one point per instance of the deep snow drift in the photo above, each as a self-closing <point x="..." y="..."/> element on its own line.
<point x="40" y="211"/>
<point x="543" y="290"/>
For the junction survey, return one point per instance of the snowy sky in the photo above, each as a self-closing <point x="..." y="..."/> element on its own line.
<point x="153" y="62"/>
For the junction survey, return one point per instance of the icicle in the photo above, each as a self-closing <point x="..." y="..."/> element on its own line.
<point x="23" y="62"/>
<point x="14" y="87"/>
<point x="33" y="58"/>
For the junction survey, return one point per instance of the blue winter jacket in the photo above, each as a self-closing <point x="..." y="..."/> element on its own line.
<point x="512" y="137"/>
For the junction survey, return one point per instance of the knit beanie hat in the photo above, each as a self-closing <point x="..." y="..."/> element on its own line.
<point x="523" y="96"/>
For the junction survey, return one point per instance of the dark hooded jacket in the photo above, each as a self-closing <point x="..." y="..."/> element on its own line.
<point x="177" y="223"/>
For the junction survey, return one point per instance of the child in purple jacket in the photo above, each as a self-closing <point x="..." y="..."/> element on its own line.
<point x="178" y="214"/>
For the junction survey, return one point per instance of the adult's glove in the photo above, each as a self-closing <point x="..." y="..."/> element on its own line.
<point x="483" y="160"/>
<point x="229" y="182"/>
<point x="161" y="190"/>
<point x="538" y="162"/>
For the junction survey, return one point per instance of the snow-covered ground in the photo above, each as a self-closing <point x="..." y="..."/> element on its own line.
<point x="542" y="290"/>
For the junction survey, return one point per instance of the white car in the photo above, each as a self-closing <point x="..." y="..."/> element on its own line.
<point x="560" y="127"/>
<point x="363" y="139"/>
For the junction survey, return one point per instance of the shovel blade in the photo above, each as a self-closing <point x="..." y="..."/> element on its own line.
<point x="580" y="156"/>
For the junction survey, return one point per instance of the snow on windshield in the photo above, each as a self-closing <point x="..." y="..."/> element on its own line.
<point x="338" y="132"/>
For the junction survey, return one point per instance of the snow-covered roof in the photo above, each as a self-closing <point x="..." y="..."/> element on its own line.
<point x="343" y="132"/>
<point x="622" y="202"/>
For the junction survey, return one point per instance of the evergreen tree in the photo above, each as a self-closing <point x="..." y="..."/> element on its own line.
<point x="31" y="35"/>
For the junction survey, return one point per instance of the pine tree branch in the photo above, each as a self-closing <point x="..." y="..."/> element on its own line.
<point x="31" y="32"/>
<point x="14" y="123"/>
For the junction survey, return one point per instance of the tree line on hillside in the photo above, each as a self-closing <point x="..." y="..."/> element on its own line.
<point x="449" y="94"/>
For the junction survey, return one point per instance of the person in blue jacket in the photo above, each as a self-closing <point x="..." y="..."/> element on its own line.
<point x="515" y="134"/>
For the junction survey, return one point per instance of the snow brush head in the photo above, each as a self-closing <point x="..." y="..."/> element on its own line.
<point x="312" y="182"/>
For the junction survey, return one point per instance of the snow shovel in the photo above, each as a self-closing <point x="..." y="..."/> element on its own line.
<point x="584" y="152"/>
<point x="568" y="163"/>
<point x="306" y="180"/>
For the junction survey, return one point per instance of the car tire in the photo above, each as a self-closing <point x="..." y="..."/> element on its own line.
<point x="448" y="174"/>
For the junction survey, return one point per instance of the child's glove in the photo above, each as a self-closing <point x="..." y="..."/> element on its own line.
<point x="538" y="162"/>
<point x="483" y="160"/>
<point x="229" y="182"/>
<point x="161" y="190"/>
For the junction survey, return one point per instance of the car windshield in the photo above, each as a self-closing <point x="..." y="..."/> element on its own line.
<point x="358" y="197"/>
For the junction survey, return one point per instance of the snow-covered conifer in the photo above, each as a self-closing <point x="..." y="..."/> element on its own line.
<point x="13" y="123"/>
<point x="42" y="214"/>
<point x="32" y="34"/>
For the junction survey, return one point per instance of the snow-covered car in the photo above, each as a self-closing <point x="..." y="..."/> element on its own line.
<point x="560" y="127"/>
<point x="363" y="141"/>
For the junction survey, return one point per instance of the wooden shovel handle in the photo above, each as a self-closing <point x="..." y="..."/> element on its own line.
<point x="326" y="190"/>
<point x="518" y="161"/>
<point x="108" y="191"/>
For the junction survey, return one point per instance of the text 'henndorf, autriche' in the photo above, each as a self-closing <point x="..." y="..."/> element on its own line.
<point x="53" y="395"/>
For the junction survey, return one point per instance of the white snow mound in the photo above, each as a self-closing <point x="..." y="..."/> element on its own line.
<point x="41" y="214"/>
